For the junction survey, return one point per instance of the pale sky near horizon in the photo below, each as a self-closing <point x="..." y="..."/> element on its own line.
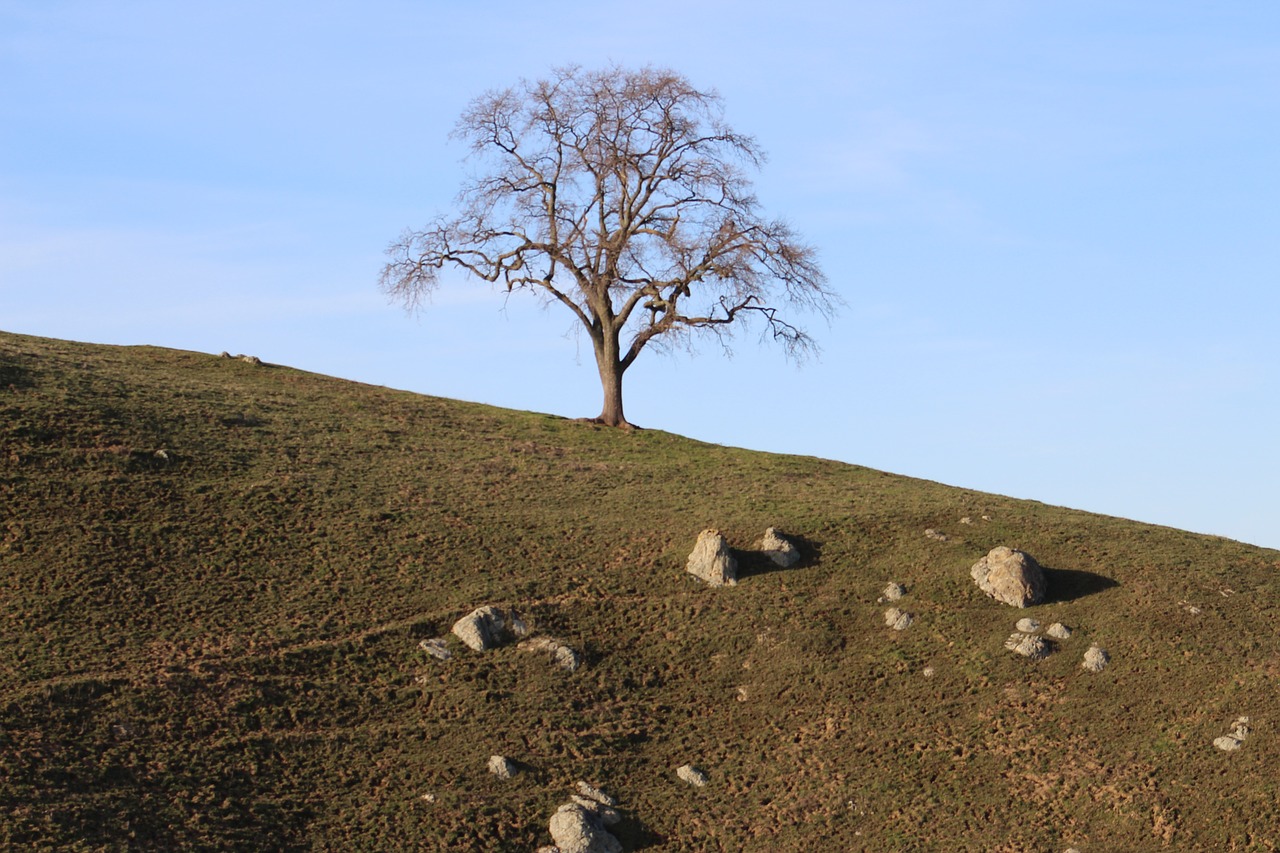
<point x="1056" y="224"/>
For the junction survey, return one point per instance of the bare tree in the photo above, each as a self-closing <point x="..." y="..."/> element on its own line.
<point x="622" y="196"/>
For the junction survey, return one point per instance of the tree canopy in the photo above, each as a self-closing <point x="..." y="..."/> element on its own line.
<point x="625" y="197"/>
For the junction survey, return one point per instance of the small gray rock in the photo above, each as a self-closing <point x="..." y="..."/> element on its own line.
<point x="1058" y="631"/>
<point x="692" y="775"/>
<point x="1028" y="625"/>
<point x="563" y="656"/>
<point x="1228" y="743"/>
<point x="437" y="647"/>
<point x="591" y="792"/>
<point x="502" y="767"/>
<point x="936" y="535"/>
<point x="778" y="549"/>
<point x="609" y="816"/>
<point x="893" y="592"/>
<point x="898" y="620"/>
<point x="1096" y="659"/>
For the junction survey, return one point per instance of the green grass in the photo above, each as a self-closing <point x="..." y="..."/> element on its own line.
<point x="214" y="578"/>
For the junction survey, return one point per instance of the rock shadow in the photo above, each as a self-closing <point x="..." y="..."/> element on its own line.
<point x="634" y="835"/>
<point x="1070" y="584"/>
<point x="752" y="562"/>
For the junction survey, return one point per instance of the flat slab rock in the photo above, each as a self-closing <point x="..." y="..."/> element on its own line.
<point x="1010" y="576"/>
<point x="561" y="654"/>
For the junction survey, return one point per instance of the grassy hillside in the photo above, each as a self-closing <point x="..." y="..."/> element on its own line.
<point x="214" y="577"/>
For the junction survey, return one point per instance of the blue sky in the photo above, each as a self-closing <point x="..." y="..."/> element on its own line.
<point x="1056" y="225"/>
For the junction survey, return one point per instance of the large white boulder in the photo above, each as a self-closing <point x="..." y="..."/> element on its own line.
<point x="712" y="561"/>
<point x="1010" y="576"/>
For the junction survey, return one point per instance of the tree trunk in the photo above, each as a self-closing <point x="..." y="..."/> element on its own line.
<point x="611" y="370"/>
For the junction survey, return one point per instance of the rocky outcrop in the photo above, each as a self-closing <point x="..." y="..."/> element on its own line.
<point x="778" y="549"/>
<point x="486" y="627"/>
<point x="712" y="561"/>
<point x="1009" y="576"/>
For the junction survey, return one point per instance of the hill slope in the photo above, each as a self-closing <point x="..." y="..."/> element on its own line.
<point x="214" y="578"/>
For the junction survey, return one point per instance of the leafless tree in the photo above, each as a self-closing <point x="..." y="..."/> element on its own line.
<point x="622" y="195"/>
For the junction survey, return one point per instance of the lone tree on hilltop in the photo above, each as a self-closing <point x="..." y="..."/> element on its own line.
<point x="621" y="195"/>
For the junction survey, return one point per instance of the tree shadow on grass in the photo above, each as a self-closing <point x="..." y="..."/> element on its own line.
<point x="752" y="563"/>
<point x="1069" y="584"/>
<point x="13" y="377"/>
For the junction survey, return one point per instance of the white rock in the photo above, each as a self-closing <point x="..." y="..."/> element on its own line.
<point x="1028" y="625"/>
<point x="692" y="775"/>
<point x="481" y="629"/>
<point x="898" y="620"/>
<point x="1009" y="576"/>
<point x="1028" y="646"/>
<point x="502" y="767"/>
<point x="1227" y="743"/>
<point x="936" y="535"/>
<point x="575" y="829"/>
<point x="1096" y="659"/>
<point x="593" y="793"/>
<point x="712" y="561"/>
<point x="609" y="816"/>
<point x="1058" y="631"/>
<point x="563" y="656"/>
<point x="437" y="648"/>
<point x="893" y="592"/>
<point x="778" y="549"/>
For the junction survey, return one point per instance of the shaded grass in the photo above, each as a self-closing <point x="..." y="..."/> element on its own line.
<point x="215" y="577"/>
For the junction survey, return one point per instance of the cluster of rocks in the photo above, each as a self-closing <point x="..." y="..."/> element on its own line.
<point x="1023" y="641"/>
<point x="1029" y="641"/>
<point x="249" y="359"/>
<point x="895" y="618"/>
<point x="1010" y="576"/>
<point x="1232" y="741"/>
<point x="488" y="627"/>
<point x="713" y="562"/>
<point x="581" y="825"/>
